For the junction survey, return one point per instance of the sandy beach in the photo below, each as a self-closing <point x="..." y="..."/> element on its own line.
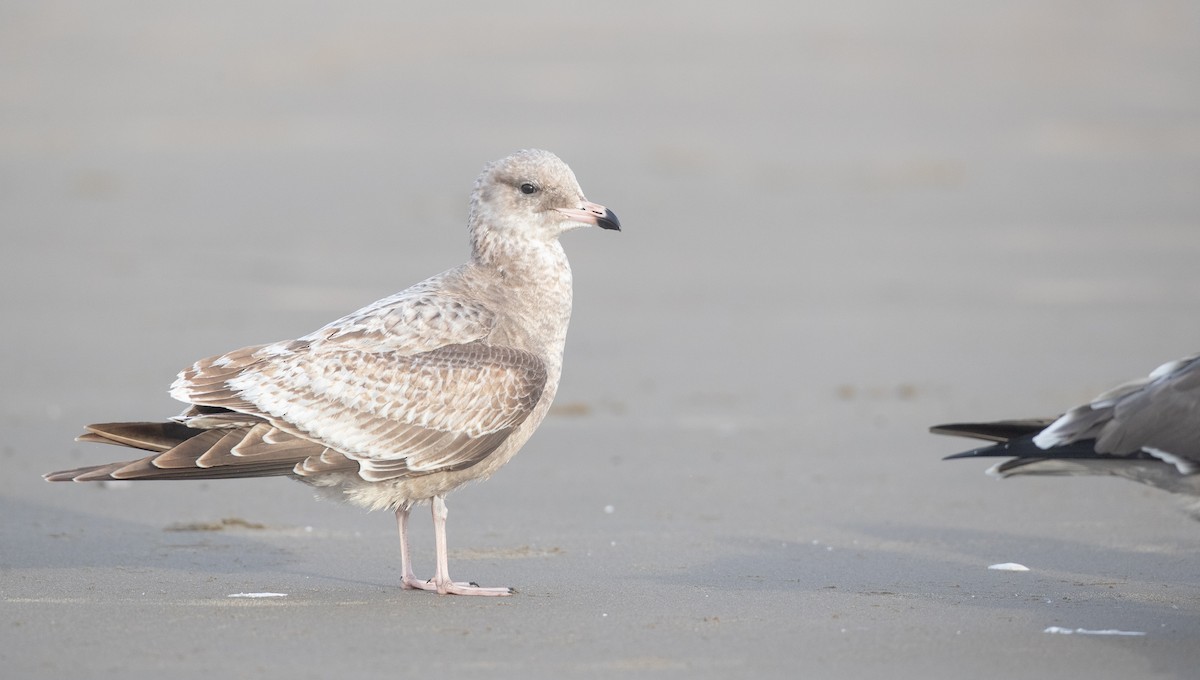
<point x="841" y="225"/>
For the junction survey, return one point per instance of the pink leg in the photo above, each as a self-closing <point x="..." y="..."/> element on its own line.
<point x="441" y="579"/>
<point x="409" y="581"/>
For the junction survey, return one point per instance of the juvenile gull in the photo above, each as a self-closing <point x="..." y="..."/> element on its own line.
<point x="406" y="399"/>
<point x="1147" y="430"/>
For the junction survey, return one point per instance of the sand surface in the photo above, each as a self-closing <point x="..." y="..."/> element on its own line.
<point x="842" y="225"/>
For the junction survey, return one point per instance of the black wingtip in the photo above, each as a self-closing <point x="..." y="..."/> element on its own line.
<point x="994" y="451"/>
<point x="996" y="431"/>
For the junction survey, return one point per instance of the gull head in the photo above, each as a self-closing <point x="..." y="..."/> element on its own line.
<point x="532" y="195"/>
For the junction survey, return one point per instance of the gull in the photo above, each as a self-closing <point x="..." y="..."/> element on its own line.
<point x="1147" y="430"/>
<point x="406" y="399"/>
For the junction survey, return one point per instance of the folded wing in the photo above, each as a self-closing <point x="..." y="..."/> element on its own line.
<point x="309" y="409"/>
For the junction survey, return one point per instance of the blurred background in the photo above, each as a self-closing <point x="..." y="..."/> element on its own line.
<point x="844" y="223"/>
<point x="844" y="191"/>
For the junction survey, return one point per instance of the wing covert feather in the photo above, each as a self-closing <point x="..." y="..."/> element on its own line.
<point x="397" y="414"/>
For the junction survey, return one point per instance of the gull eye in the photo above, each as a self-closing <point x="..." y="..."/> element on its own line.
<point x="529" y="188"/>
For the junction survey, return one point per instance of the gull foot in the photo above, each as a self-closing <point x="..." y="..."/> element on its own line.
<point x="455" y="588"/>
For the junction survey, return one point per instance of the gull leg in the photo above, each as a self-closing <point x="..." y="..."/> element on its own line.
<point x="409" y="580"/>
<point x="441" y="579"/>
